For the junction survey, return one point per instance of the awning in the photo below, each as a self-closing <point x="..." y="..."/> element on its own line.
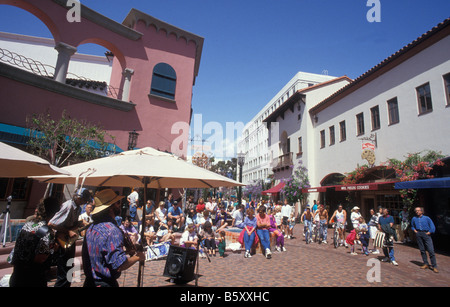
<point x="19" y="135"/>
<point x="276" y="189"/>
<point x="350" y="187"/>
<point x="316" y="189"/>
<point x="433" y="183"/>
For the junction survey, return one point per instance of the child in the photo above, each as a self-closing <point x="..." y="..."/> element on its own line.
<point x="351" y="238"/>
<point x="222" y="244"/>
<point x="363" y="235"/>
<point x="273" y="229"/>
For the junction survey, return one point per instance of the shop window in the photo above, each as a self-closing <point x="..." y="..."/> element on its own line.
<point x="18" y="188"/>
<point x="393" y="202"/>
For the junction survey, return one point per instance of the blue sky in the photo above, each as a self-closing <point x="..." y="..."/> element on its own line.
<point x="253" y="48"/>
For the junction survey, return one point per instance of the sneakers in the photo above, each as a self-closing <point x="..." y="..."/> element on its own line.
<point x="283" y="249"/>
<point x="268" y="253"/>
<point x="394" y="262"/>
<point x="247" y="254"/>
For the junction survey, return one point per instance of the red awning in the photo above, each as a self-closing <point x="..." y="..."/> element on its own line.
<point x="276" y="189"/>
<point x="350" y="187"/>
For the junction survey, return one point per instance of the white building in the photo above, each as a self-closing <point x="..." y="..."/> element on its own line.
<point x="400" y="106"/>
<point x="254" y="140"/>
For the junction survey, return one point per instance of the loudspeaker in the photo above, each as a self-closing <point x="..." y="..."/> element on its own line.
<point x="180" y="264"/>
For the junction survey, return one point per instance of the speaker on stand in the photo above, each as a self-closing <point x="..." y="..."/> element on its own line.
<point x="180" y="264"/>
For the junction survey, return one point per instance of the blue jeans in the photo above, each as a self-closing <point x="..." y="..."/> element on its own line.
<point x="389" y="253"/>
<point x="248" y="240"/>
<point x="323" y="229"/>
<point x="264" y="237"/>
<point x="426" y="245"/>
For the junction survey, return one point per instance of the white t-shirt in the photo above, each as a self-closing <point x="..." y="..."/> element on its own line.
<point x="354" y="217"/>
<point x="133" y="198"/>
<point x="286" y="210"/>
<point x="238" y="217"/>
<point x="161" y="214"/>
<point x="187" y="236"/>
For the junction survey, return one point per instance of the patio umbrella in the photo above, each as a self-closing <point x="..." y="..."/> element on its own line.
<point x="146" y="167"/>
<point x="16" y="163"/>
<point x="129" y="168"/>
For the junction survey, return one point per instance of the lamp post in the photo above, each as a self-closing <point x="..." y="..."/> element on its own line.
<point x="132" y="139"/>
<point x="240" y="161"/>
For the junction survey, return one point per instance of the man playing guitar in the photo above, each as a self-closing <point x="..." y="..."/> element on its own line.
<point x="65" y="222"/>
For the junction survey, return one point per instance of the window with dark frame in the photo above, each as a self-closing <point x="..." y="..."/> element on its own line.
<point x="164" y="81"/>
<point x="300" y="146"/>
<point x="375" y="114"/>
<point x="360" y="124"/>
<point x="322" y="139"/>
<point x="332" y="136"/>
<point x="447" y="87"/>
<point x="18" y="188"/>
<point x="424" y="98"/>
<point x="394" y="117"/>
<point x="343" y="130"/>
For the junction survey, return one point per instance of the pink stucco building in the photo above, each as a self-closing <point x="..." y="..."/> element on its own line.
<point x="153" y="72"/>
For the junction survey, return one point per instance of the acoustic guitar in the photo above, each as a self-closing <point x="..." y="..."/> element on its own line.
<point x="65" y="241"/>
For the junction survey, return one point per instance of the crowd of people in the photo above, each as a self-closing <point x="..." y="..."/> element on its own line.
<point x="109" y="244"/>
<point x="202" y="223"/>
<point x="380" y="230"/>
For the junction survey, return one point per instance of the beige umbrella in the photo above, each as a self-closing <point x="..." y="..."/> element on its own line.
<point x="129" y="168"/>
<point x="146" y="167"/>
<point x="16" y="163"/>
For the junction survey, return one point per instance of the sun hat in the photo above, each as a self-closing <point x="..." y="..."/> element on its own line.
<point x="355" y="208"/>
<point x="103" y="199"/>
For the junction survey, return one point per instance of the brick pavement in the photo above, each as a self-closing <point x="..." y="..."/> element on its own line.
<point x="302" y="265"/>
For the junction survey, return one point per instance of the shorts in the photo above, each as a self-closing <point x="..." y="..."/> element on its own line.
<point x="285" y="220"/>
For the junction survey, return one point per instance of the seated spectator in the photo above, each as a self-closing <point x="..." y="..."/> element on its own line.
<point x="209" y="239"/>
<point x="248" y="235"/>
<point x="149" y="230"/>
<point x="262" y="230"/>
<point x="189" y="237"/>
<point x="128" y="227"/>
<point x="169" y="235"/>
<point x="278" y="233"/>
<point x="201" y="205"/>
<point x="161" y="213"/>
<point x="238" y="217"/>
<point x="221" y="216"/>
<point x="175" y="214"/>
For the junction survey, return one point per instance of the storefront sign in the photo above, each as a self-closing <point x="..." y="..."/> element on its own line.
<point x="368" y="145"/>
<point x="357" y="187"/>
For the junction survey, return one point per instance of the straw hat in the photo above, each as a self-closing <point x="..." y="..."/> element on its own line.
<point x="103" y="199"/>
<point x="355" y="208"/>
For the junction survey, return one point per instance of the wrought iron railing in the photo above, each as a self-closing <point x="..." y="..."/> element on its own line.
<point x="45" y="70"/>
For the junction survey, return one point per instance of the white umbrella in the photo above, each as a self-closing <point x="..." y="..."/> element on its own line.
<point x="146" y="167"/>
<point x="129" y="168"/>
<point x="16" y="163"/>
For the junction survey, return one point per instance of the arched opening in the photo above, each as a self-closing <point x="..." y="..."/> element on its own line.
<point x="27" y="38"/>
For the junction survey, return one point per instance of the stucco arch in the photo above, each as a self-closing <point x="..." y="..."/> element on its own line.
<point x="38" y="13"/>
<point x="118" y="54"/>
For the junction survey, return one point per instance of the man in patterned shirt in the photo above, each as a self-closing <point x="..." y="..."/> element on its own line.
<point x="103" y="253"/>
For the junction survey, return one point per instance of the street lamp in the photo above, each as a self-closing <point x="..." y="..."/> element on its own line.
<point x="132" y="139"/>
<point x="240" y="161"/>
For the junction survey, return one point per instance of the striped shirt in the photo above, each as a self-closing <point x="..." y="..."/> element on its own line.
<point x="104" y="242"/>
<point x="67" y="217"/>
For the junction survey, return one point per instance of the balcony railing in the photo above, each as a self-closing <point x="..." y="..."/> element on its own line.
<point x="45" y="70"/>
<point x="282" y="162"/>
